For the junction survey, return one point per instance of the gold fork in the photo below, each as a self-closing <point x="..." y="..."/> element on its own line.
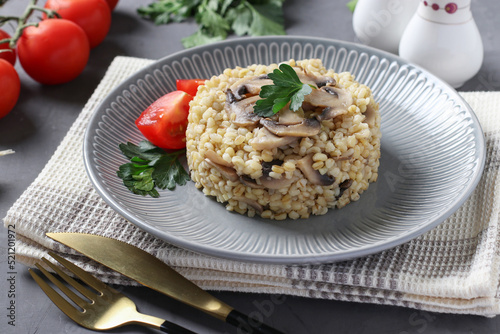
<point x="103" y="310"/>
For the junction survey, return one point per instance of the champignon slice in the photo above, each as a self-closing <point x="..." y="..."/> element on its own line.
<point x="290" y="117"/>
<point x="331" y="113"/>
<point x="307" y="78"/>
<point x="370" y="116"/>
<point x="249" y="182"/>
<point x="308" y="127"/>
<point x="344" y="186"/>
<point x="249" y="86"/>
<point x="265" y="140"/>
<point x="227" y="172"/>
<point x="311" y="174"/>
<point x="243" y="110"/>
<point x="343" y="157"/>
<point x="217" y="159"/>
<point x="253" y="203"/>
<point x="272" y="183"/>
<point x="334" y="100"/>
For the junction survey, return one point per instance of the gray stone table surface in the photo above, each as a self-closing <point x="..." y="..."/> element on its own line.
<point x="44" y="114"/>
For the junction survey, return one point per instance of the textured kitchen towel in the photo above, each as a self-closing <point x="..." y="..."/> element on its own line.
<point x="453" y="268"/>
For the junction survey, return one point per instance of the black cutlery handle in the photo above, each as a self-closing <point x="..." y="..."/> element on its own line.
<point x="171" y="328"/>
<point x="249" y="325"/>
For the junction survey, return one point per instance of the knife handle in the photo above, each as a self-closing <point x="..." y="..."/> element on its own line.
<point x="249" y="325"/>
<point x="171" y="328"/>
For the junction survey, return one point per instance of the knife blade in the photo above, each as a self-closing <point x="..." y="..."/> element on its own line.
<point x="149" y="271"/>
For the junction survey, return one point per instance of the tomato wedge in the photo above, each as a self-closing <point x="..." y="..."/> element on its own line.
<point x="189" y="86"/>
<point x="164" y="122"/>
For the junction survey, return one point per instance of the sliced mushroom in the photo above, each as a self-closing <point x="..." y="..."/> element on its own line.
<point x="329" y="96"/>
<point x="311" y="174"/>
<point x="253" y="203"/>
<point x="272" y="183"/>
<point x="243" y="110"/>
<point x="249" y="182"/>
<point x="308" y="127"/>
<point x="331" y="113"/>
<point x="217" y="159"/>
<point x="227" y="172"/>
<point x="343" y="157"/>
<point x="290" y="117"/>
<point x="370" y="115"/>
<point x="265" y="140"/>
<point x="308" y="78"/>
<point x="249" y="86"/>
<point x="344" y="186"/>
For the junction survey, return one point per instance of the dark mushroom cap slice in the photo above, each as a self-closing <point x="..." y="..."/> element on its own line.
<point x="249" y="86"/>
<point x="228" y="173"/>
<point x="311" y="79"/>
<point x="242" y="110"/>
<point x="370" y="115"/>
<point x="217" y="159"/>
<point x="313" y="175"/>
<point x="265" y="140"/>
<point x="334" y="100"/>
<point x="308" y="127"/>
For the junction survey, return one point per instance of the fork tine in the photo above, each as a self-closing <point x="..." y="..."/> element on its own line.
<point x="80" y="288"/>
<point x="82" y="274"/>
<point x="64" y="289"/>
<point x="59" y="301"/>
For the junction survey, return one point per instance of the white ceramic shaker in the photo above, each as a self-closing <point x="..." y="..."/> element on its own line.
<point x="443" y="38"/>
<point x="380" y="23"/>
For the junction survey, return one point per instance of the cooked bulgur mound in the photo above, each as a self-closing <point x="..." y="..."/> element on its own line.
<point x="290" y="165"/>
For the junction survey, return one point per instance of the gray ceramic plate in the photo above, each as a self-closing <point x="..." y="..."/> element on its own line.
<point x="433" y="155"/>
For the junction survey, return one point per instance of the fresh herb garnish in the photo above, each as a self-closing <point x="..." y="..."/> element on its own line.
<point x="218" y="18"/>
<point x="151" y="168"/>
<point x="287" y="88"/>
<point x="352" y="5"/>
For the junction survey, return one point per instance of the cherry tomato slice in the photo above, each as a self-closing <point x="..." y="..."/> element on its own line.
<point x="189" y="86"/>
<point x="164" y="122"/>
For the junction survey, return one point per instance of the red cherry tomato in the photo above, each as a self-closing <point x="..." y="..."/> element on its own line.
<point x="10" y="86"/>
<point x="189" y="86"/>
<point x="93" y="16"/>
<point x="10" y="56"/>
<point x="164" y="122"/>
<point x="55" y="52"/>
<point x="112" y="3"/>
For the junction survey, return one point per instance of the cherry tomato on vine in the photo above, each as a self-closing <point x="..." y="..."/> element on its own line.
<point x="55" y="52"/>
<point x="164" y="122"/>
<point x="189" y="86"/>
<point x="10" y="86"/>
<point x="112" y="3"/>
<point x="93" y="16"/>
<point x="10" y="56"/>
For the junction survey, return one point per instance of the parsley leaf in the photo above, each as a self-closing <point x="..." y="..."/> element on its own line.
<point x="287" y="88"/>
<point x="352" y="5"/>
<point x="151" y="168"/>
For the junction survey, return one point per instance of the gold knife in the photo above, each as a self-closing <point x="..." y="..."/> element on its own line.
<point x="155" y="274"/>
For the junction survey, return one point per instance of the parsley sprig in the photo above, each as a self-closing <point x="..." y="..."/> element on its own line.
<point x="151" y="168"/>
<point x="287" y="88"/>
<point x="217" y="19"/>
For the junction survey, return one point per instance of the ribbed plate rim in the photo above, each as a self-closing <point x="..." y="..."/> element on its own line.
<point x="93" y="173"/>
